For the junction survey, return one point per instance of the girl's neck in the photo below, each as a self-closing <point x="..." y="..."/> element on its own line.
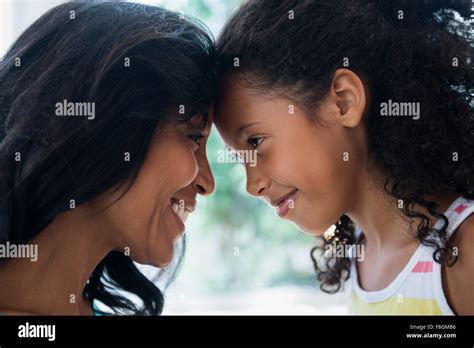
<point x="381" y="219"/>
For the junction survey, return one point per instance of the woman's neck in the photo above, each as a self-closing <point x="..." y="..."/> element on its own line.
<point x="69" y="249"/>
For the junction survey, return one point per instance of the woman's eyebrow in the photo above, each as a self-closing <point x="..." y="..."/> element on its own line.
<point x="203" y="121"/>
<point x="208" y="121"/>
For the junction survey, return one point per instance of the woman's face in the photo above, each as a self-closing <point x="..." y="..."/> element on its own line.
<point x="149" y="219"/>
<point x="300" y="168"/>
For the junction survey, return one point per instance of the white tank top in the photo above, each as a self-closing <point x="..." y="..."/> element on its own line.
<point x="418" y="288"/>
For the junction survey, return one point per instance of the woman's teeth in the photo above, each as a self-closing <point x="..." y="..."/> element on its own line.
<point x="180" y="211"/>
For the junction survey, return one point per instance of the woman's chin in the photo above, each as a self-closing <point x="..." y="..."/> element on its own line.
<point x="162" y="263"/>
<point x="163" y="258"/>
<point x="156" y="257"/>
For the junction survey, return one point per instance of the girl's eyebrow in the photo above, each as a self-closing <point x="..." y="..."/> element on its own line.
<point x="244" y="127"/>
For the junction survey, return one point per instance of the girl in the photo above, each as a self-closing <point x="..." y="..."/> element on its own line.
<point x="360" y="112"/>
<point x="104" y="120"/>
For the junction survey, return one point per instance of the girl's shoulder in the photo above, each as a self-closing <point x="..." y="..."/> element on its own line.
<point x="458" y="279"/>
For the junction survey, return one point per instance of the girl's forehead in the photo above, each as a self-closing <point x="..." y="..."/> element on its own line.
<point x="238" y="102"/>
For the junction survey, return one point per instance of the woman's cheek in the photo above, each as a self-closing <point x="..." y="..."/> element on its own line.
<point x="186" y="168"/>
<point x="174" y="154"/>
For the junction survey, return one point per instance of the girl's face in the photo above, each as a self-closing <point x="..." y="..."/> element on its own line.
<point x="149" y="219"/>
<point x="301" y="166"/>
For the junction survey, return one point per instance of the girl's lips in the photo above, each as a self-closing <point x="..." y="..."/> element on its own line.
<point x="284" y="206"/>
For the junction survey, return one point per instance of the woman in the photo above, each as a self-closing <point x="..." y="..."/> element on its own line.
<point x="104" y="113"/>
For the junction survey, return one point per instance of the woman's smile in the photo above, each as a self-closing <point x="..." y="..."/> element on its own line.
<point x="181" y="208"/>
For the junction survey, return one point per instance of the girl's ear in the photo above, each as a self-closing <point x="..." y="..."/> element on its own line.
<point x="348" y="93"/>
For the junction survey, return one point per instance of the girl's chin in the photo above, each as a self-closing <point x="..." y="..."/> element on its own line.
<point x="308" y="228"/>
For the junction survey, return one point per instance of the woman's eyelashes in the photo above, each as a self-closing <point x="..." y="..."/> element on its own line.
<point x="196" y="137"/>
<point x="255" y="141"/>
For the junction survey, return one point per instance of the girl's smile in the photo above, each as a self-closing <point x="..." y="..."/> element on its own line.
<point x="285" y="203"/>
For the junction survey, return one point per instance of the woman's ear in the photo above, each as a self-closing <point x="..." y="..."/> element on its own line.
<point x="348" y="93"/>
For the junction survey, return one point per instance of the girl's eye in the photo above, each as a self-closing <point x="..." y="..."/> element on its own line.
<point x="196" y="137"/>
<point x="254" y="142"/>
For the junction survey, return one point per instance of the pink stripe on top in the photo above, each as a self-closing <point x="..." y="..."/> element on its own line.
<point x="423" y="267"/>
<point x="460" y="208"/>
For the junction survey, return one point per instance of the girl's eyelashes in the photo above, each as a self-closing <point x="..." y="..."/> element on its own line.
<point x="254" y="142"/>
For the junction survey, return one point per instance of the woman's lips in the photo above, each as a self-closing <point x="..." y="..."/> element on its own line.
<point x="180" y="211"/>
<point x="284" y="205"/>
<point x="178" y="219"/>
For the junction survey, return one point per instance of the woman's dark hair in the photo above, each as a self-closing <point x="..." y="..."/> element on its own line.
<point x="406" y="50"/>
<point x="138" y="64"/>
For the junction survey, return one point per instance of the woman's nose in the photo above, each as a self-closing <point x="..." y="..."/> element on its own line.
<point x="204" y="183"/>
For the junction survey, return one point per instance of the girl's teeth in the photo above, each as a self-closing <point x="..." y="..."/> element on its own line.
<point x="181" y="212"/>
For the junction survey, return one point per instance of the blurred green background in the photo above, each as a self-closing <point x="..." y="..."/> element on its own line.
<point x="235" y="241"/>
<point x="240" y="257"/>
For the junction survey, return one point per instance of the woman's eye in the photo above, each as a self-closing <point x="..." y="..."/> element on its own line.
<point x="196" y="137"/>
<point x="254" y="142"/>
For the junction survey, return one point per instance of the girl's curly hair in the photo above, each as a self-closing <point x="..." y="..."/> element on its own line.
<point x="403" y="50"/>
